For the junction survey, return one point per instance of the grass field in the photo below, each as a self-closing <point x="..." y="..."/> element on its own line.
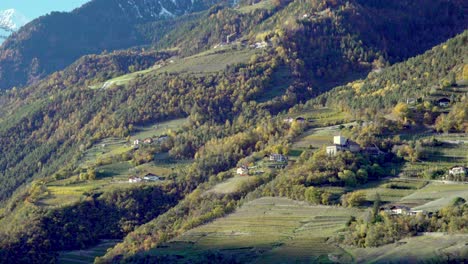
<point x="265" y="4"/>
<point x="318" y="137"/>
<point x="211" y="61"/>
<point x="88" y="255"/>
<point x="157" y="129"/>
<point x="392" y="190"/>
<point x="232" y="185"/>
<point x="214" y="60"/>
<point x="436" y="195"/>
<point x="421" y="249"/>
<point x="105" y="148"/>
<point x="267" y="230"/>
<point x="281" y="80"/>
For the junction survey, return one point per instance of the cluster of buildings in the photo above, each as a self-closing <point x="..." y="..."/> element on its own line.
<point x="148" y="141"/>
<point x="401" y="210"/>
<point x="341" y="143"/>
<point x="274" y="161"/>
<point x="458" y="171"/>
<point x="147" y="178"/>
<point x="299" y="119"/>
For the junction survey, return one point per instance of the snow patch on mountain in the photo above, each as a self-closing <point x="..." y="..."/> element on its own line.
<point x="12" y="20"/>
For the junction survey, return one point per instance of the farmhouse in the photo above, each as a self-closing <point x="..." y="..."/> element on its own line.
<point x="300" y="120"/>
<point x="278" y="158"/>
<point x="148" y="141"/>
<point x="456" y="171"/>
<point x="151" y="177"/>
<point x="443" y="102"/>
<point x="342" y="144"/>
<point x="242" y="170"/>
<point x="397" y="210"/>
<point x="134" y="179"/>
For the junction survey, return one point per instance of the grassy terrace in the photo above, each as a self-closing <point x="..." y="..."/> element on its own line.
<point x="421" y="249"/>
<point x="114" y="173"/>
<point x="318" y="136"/>
<point x="88" y="255"/>
<point x="267" y="230"/>
<point x="232" y="185"/>
<point x="437" y="195"/>
<point x="452" y="152"/>
<point x="157" y="129"/>
<point x="209" y="61"/>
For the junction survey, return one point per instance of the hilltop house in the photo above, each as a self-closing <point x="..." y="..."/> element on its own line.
<point x="456" y="171"/>
<point x="242" y="170"/>
<point x="278" y="158"/>
<point x="342" y="144"/>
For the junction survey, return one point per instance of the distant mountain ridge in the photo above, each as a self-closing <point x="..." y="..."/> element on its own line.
<point x="52" y="42"/>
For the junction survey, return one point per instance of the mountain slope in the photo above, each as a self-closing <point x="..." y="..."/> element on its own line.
<point x="228" y="95"/>
<point x="52" y="42"/>
<point x="141" y="245"/>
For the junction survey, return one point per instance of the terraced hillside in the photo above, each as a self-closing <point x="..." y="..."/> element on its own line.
<point x="266" y="230"/>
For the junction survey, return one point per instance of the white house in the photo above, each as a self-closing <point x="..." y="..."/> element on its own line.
<point x="148" y="141"/>
<point x="242" y="170"/>
<point x="397" y="210"/>
<point x="134" y="179"/>
<point x="455" y="171"/>
<point x="278" y="158"/>
<point x="341" y="143"/>
<point x="136" y="142"/>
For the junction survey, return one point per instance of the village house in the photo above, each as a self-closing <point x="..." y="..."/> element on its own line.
<point x="300" y="120"/>
<point x="260" y="45"/>
<point x="148" y="141"/>
<point x="242" y="170"/>
<point x="341" y="143"/>
<point x="411" y="101"/>
<point x="397" y="210"/>
<point x="134" y="179"/>
<point x="457" y="171"/>
<point x="288" y="120"/>
<point x="443" y="102"/>
<point x="278" y="158"/>
<point x="151" y="177"/>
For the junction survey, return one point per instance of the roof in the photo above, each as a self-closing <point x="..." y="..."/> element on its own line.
<point x="441" y="100"/>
